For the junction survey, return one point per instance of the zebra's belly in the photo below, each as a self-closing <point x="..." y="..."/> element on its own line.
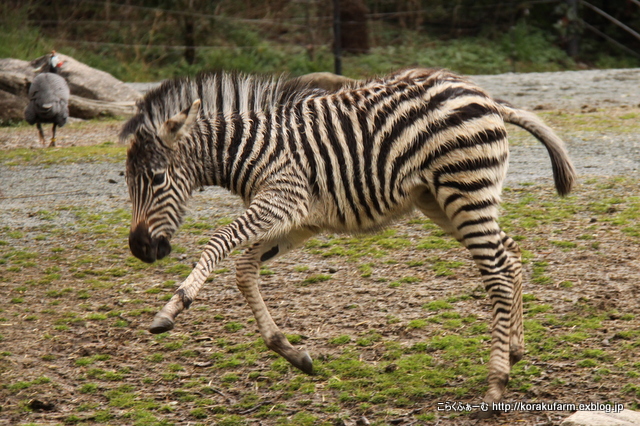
<point x="328" y="217"/>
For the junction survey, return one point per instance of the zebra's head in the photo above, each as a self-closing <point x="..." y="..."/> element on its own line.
<point x="158" y="185"/>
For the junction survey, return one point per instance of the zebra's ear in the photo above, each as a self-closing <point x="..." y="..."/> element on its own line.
<point x="180" y="124"/>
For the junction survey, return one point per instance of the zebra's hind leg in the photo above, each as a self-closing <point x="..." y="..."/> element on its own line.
<point x="516" y="333"/>
<point x="427" y="204"/>
<point x="498" y="258"/>
<point x="500" y="274"/>
<point x="247" y="272"/>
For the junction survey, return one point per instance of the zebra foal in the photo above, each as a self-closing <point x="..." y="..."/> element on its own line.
<point x="305" y="161"/>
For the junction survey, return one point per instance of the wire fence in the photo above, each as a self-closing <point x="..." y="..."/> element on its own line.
<point x="449" y="7"/>
<point x="306" y="29"/>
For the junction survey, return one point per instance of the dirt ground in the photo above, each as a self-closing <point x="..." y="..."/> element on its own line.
<point x="75" y="305"/>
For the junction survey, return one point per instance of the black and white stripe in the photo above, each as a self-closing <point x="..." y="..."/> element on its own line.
<point x="306" y="160"/>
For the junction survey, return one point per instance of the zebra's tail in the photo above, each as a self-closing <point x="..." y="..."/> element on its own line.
<point x="564" y="174"/>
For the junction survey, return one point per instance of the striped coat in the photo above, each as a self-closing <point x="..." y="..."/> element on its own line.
<point x="353" y="160"/>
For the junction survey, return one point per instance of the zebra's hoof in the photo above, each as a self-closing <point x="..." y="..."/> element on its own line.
<point x="161" y="324"/>
<point x="304" y="363"/>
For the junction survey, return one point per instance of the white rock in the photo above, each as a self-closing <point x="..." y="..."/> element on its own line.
<point x="601" y="418"/>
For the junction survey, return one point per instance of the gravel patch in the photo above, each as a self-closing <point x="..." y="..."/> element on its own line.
<point x="571" y="90"/>
<point x="594" y="154"/>
<point x="551" y="90"/>
<point x="28" y="189"/>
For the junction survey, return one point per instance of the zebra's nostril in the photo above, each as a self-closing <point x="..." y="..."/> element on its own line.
<point x="142" y="245"/>
<point x="163" y="247"/>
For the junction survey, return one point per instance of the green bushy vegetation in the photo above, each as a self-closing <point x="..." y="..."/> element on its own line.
<point x="465" y="55"/>
<point x="229" y="43"/>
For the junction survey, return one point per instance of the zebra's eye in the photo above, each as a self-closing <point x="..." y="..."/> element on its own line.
<point x="158" y="178"/>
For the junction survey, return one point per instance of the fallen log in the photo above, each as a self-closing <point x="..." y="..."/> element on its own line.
<point x="89" y="82"/>
<point x="15" y="83"/>
<point x="85" y="108"/>
<point x="94" y="93"/>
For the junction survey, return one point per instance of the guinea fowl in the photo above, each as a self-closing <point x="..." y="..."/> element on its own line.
<point x="48" y="99"/>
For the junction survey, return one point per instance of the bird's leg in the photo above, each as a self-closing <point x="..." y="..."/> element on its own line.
<point x="42" y="141"/>
<point x="53" y="138"/>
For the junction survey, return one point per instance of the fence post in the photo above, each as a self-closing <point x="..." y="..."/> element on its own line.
<point x="337" y="36"/>
<point x="573" y="46"/>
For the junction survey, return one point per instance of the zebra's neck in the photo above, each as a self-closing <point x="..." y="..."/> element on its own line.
<point x="226" y="151"/>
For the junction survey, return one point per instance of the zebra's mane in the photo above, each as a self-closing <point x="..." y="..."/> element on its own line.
<point x="220" y="93"/>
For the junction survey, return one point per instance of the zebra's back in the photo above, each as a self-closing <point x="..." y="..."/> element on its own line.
<point x="369" y="150"/>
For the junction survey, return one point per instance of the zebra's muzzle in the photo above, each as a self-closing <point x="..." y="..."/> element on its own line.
<point x="146" y="248"/>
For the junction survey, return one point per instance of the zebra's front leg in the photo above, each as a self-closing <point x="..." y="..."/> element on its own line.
<point x="247" y="272"/>
<point x="181" y="300"/>
<point x="256" y="223"/>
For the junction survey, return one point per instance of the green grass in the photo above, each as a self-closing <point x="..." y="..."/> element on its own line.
<point x="18" y="386"/>
<point x="410" y="375"/>
<point x="105" y="152"/>
<point x="215" y="366"/>
<point x="579" y="123"/>
<point x="340" y="340"/>
<point x="356" y="247"/>
<point x="233" y="326"/>
<point x="433" y="242"/>
<point x="437" y="305"/>
<point x="313" y="279"/>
